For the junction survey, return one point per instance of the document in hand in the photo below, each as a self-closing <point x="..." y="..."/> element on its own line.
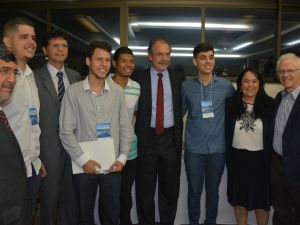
<point x="102" y="151"/>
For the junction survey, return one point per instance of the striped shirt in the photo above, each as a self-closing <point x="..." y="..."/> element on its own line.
<point x="132" y="93"/>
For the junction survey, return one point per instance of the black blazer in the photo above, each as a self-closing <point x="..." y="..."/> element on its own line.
<point x="14" y="200"/>
<point x="230" y="125"/>
<point x="143" y="119"/>
<point x="290" y="142"/>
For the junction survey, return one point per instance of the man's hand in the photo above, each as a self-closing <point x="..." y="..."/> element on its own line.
<point x="117" y="166"/>
<point x="90" y="167"/>
<point x="43" y="170"/>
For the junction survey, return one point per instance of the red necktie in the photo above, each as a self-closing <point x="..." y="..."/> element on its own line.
<point x="159" y="123"/>
<point x="4" y="120"/>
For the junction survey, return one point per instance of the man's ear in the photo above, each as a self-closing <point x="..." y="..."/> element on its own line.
<point x="194" y="62"/>
<point x="87" y="61"/>
<point x="114" y="63"/>
<point x="44" y="50"/>
<point x="7" y="42"/>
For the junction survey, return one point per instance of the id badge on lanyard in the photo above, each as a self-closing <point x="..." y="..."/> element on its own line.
<point x="33" y="115"/>
<point x="103" y="130"/>
<point x="207" y="109"/>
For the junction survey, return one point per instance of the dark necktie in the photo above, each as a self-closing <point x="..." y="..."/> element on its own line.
<point x="4" y="120"/>
<point x="61" y="86"/>
<point x="159" y="123"/>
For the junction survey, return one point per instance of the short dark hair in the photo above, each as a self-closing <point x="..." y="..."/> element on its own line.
<point x="98" y="44"/>
<point x="53" y="34"/>
<point x="122" y="50"/>
<point x="13" y="23"/>
<point x="153" y="41"/>
<point x="6" y="55"/>
<point x="203" y="47"/>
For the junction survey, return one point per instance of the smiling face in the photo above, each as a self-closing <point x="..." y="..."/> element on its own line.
<point x="204" y="62"/>
<point x="289" y="74"/>
<point x="124" y="65"/>
<point x="7" y="80"/>
<point x="99" y="63"/>
<point x="21" y="42"/>
<point x="249" y="85"/>
<point x="56" y="51"/>
<point x="160" y="56"/>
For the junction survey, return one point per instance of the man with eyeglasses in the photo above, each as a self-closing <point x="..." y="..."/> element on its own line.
<point x="14" y="201"/>
<point x="284" y="142"/>
<point x="57" y="193"/>
<point x="22" y="110"/>
<point x="203" y="99"/>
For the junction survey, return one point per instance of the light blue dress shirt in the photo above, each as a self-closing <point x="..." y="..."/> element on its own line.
<point x="205" y="136"/>
<point x="168" y="101"/>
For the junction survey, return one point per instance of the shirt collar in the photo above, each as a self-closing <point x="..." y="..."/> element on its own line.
<point x="129" y="82"/>
<point x="53" y="71"/>
<point x="86" y="85"/>
<point x="27" y="71"/>
<point x="215" y="79"/>
<point x="154" y="72"/>
<point x="294" y="93"/>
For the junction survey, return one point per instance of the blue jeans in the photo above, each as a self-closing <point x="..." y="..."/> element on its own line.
<point x="200" y="167"/>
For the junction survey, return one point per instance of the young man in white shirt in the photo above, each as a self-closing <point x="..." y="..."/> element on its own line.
<point x="23" y="109"/>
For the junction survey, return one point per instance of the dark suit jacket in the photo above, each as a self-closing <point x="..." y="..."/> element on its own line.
<point x="229" y="131"/>
<point x="14" y="199"/>
<point x="143" y="119"/>
<point x="290" y="142"/>
<point x="51" y="146"/>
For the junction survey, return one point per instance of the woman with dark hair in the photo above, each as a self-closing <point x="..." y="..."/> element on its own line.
<point x="247" y="115"/>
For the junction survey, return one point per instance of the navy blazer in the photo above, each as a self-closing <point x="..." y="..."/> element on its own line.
<point x="230" y="126"/>
<point x="290" y="142"/>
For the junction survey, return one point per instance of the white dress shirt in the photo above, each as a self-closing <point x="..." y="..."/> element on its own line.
<point x="25" y="95"/>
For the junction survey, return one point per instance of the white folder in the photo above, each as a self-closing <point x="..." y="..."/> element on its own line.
<point x="102" y="150"/>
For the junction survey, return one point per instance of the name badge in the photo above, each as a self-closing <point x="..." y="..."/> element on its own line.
<point x="33" y="115"/>
<point x="103" y="130"/>
<point x="207" y="109"/>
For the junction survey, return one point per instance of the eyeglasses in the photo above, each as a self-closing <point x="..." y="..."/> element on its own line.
<point x="8" y="71"/>
<point x="56" y="45"/>
<point x="288" y="71"/>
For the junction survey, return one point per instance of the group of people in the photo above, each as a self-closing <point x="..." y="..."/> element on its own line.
<point x="47" y="114"/>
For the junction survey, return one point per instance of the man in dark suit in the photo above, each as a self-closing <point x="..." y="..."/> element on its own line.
<point x="159" y="131"/>
<point x="285" y="144"/>
<point x="52" y="80"/>
<point x="15" y="196"/>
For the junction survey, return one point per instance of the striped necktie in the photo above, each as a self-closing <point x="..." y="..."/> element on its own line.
<point x="4" y="120"/>
<point x="61" y="86"/>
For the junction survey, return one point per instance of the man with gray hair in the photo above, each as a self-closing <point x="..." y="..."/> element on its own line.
<point x="284" y="143"/>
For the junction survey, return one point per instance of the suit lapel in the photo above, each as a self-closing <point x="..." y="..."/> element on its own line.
<point x="14" y="142"/>
<point x="294" y="112"/>
<point x="48" y="83"/>
<point x="69" y="76"/>
<point x="173" y="89"/>
<point x="148" y="90"/>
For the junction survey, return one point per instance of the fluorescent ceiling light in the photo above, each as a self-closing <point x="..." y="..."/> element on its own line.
<point x="242" y="45"/>
<point x="173" y="48"/>
<point x="193" y="25"/>
<point x="293" y="42"/>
